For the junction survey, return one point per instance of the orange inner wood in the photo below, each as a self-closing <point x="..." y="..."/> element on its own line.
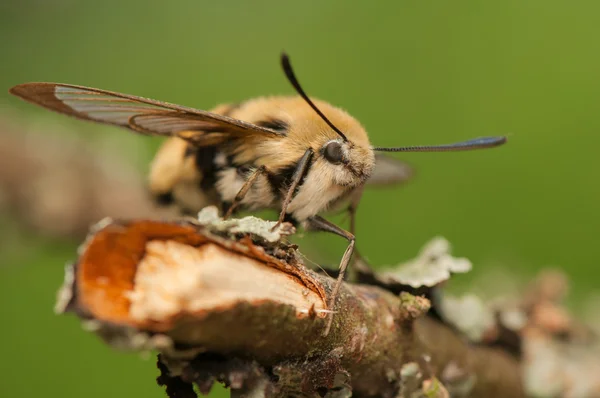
<point x="106" y="269"/>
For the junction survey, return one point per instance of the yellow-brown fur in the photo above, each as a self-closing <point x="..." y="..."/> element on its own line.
<point x="171" y="170"/>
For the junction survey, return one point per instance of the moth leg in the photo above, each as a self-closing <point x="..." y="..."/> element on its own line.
<point x="359" y="265"/>
<point x="318" y="223"/>
<point x="244" y="190"/>
<point x="357" y="257"/>
<point x="352" y="212"/>
<point x="300" y="172"/>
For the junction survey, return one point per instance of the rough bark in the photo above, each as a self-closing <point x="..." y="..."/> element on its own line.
<point x="230" y="301"/>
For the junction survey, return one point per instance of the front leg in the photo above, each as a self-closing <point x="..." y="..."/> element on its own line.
<point x="299" y="173"/>
<point x="318" y="223"/>
<point x="360" y="266"/>
<point x="244" y="189"/>
<point x="354" y="201"/>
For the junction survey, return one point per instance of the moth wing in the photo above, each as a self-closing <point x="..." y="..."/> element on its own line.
<point x="142" y="115"/>
<point x="389" y="171"/>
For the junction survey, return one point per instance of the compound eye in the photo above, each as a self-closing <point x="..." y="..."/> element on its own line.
<point x="333" y="152"/>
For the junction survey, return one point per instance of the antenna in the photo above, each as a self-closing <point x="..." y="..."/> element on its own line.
<point x="289" y="72"/>
<point x="475" y="143"/>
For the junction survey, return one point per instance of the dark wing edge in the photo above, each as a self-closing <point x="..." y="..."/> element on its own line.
<point x="142" y="115"/>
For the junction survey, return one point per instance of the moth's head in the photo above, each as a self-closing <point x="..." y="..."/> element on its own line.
<point x="342" y="151"/>
<point x="345" y="159"/>
<point x="349" y="164"/>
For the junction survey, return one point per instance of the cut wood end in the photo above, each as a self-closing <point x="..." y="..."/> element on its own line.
<point x="174" y="278"/>
<point x="154" y="275"/>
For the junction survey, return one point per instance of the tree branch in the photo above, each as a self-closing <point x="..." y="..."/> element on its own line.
<point x="230" y="301"/>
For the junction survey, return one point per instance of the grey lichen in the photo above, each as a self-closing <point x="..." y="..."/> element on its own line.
<point x="555" y="368"/>
<point x="64" y="296"/>
<point x="433" y="265"/>
<point x="512" y="318"/>
<point x="268" y="230"/>
<point x="93" y="230"/>
<point x="458" y="381"/>
<point x="410" y="376"/>
<point x="469" y="314"/>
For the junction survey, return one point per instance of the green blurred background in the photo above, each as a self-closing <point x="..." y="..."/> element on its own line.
<point x="413" y="72"/>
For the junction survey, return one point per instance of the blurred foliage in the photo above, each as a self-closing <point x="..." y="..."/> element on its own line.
<point x="412" y="72"/>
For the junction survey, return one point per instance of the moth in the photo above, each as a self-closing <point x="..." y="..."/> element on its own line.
<point x="297" y="155"/>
